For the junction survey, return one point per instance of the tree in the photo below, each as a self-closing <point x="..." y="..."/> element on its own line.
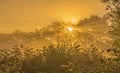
<point x="113" y="14"/>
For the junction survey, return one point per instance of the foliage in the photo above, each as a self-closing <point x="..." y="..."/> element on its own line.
<point x="59" y="58"/>
<point x="113" y="14"/>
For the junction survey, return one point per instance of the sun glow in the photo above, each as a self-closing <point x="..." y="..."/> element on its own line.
<point x="71" y="20"/>
<point x="74" y="21"/>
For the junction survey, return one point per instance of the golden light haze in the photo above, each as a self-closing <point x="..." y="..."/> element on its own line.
<point x="27" y="15"/>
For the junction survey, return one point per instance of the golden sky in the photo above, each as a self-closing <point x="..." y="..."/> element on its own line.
<point x="27" y="15"/>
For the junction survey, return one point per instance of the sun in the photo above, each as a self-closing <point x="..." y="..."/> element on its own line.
<point x="70" y="29"/>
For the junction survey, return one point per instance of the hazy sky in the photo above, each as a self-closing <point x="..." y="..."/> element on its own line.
<point x="27" y="15"/>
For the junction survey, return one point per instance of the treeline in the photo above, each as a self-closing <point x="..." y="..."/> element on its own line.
<point x="94" y="25"/>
